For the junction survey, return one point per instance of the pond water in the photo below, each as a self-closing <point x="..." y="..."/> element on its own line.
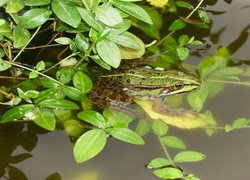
<point x="227" y="154"/>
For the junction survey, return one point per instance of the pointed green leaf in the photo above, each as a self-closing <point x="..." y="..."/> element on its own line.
<point x="177" y="25"/>
<point x="93" y="118"/>
<point x="158" y="163"/>
<point x="125" y="135"/>
<point x="58" y="104"/>
<point x="14" y="6"/>
<point x="109" y="52"/>
<point x="4" y="65"/>
<point x="21" y="36"/>
<point x="44" y="118"/>
<point x="67" y="12"/>
<point x="159" y="127"/>
<point x="133" y="10"/>
<point x="82" y="82"/>
<point x="168" y="173"/>
<point x="174" y="142"/>
<point x="89" y="145"/>
<point x="189" y="156"/>
<point x="108" y="15"/>
<point x="33" y="18"/>
<point x="17" y="112"/>
<point x="90" y="19"/>
<point x="74" y="93"/>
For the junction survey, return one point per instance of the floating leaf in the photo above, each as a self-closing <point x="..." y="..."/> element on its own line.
<point x="125" y="135"/>
<point x="63" y="40"/>
<point x="159" y="127"/>
<point x="142" y="128"/>
<point x="168" y="173"/>
<point x="189" y="156"/>
<point x="158" y="163"/>
<point x="89" y="145"/>
<point x="174" y="142"/>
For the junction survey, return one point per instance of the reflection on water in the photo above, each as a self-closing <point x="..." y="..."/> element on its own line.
<point x="31" y="153"/>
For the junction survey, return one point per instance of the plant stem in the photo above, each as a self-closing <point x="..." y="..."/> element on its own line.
<point x="29" y="69"/>
<point x="165" y="151"/>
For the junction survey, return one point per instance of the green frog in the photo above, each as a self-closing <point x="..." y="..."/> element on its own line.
<point x="118" y="88"/>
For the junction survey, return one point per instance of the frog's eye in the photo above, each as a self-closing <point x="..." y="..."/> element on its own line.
<point x="178" y="85"/>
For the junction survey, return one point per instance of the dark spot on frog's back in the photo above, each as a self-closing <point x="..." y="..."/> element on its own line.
<point x="128" y="80"/>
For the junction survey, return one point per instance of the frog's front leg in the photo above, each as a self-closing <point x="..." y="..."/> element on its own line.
<point x="159" y="107"/>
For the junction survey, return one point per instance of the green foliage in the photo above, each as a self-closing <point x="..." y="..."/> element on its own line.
<point x="100" y="32"/>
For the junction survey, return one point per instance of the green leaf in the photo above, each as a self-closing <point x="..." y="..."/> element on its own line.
<point x="33" y="74"/>
<point x="44" y="118"/>
<point x="92" y="117"/>
<point x="21" y="36"/>
<point x="183" y="4"/>
<point x="109" y="52"/>
<point x="142" y="128"/>
<point x="14" y="6"/>
<point x="230" y="71"/>
<point x="108" y="15"/>
<point x="5" y="29"/>
<point x="40" y="66"/>
<point x="160" y="128"/>
<point x="126" y="135"/>
<point x="34" y="18"/>
<point x="51" y="93"/>
<point x="81" y="42"/>
<point x="177" y="25"/>
<point x="3" y="2"/>
<point x="67" y="12"/>
<point x="183" y="40"/>
<point x="65" y="75"/>
<point x="239" y="123"/>
<point x="158" y="163"/>
<point x="117" y="118"/>
<point x="36" y="2"/>
<point x="90" y="19"/>
<point x="91" y="4"/>
<point x="17" y="112"/>
<point x="82" y="82"/>
<point x="74" y="93"/>
<point x="89" y="145"/>
<point x="133" y="10"/>
<point x="58" y="104"/>
<point x="3" y="65"/>
<point x="189" y="156"/>
<point x="182" y="52"/>
<point x="125" y="39"/>
<point x="168" y="173"/>
<point x="63" y="40"/>
<point x="174" y="142"/>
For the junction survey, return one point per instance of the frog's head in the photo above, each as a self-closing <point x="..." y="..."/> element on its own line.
<point x="180" y="82"/>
